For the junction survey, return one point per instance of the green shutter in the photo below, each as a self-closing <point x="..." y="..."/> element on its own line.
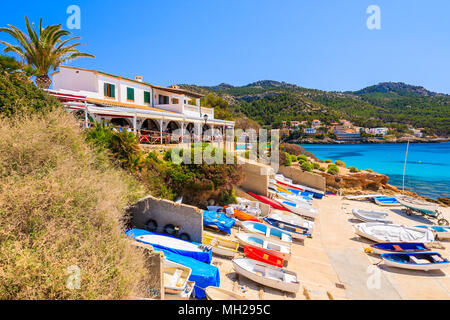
<point x="105" y="89"/>
<point x="130" y="94"/>
<point x="113" y="91"/>
<point x="146" y="97"/>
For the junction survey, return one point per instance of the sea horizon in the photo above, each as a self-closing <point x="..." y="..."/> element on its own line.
<point x="427" y="167"/>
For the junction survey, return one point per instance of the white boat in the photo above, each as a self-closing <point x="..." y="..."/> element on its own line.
<point x="382" y="232"/>
<point x="442" y="232"/>
<point x="183" y="295"/>
<point x="272" y="246"/>
<point x="418" y="205"/>
<point x="175" y="277"/>
<point x="216" y="293"/>
<point x="267" y="231"/>
<point x="267" y="275"/>
<point x="299" y="209"/>
<point x="364" y="196"/>
<point x="424" y="261"/>
<point x="293" y="219"/>
<point x="371" y="216"/>
<point x="289" y="197"/>
<point x="169" y="242"/>
<point x="221" y="246"/>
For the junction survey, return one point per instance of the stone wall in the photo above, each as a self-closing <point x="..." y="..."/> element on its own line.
<point x="153" y="284"/>
<point x="256" y="177"/>
<point x="304" y="177"/>
<point x="189" y="219"/>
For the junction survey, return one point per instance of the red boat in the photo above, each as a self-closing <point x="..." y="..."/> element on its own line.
<point x="289" y="185"/>
<point x="262" y="256"/>
<point x="274" y="204"/>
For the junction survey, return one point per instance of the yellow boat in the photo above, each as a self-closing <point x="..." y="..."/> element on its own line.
<point x="283" y="190"/>
<point x="221" y="246"/>
<point x="175" y="277"/>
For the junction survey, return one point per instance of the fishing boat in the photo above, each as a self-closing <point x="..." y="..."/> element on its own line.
<point x="292" y="219"/>
<point x="272" y="203"/>
<point x="185" y="248"/>
<point x="371" y="216"/>
<point x="382" y="232"/>
<point x="241" y="215"/>
<point x="286" y="182"/>
<point x="386" y="201"/>
<point x="300" y="209"/>
<point x="216" y="293"/>
<point x="175" y="277"/>
<point x="392" y="247"/>
<point x="295" y="231"/>
<point x="274" y="187"/>
<point x="267" y="231"/>
<point x="267" y="275"/>
<point x="183" y="295"/>
<point x="272" y="246"/>
<point x="418" y="205"/>
<point x="262" y="256"/>
<point x="221" y="246"/>
<point x="290" y="197"/>
<point x="416" y="261"/>
<point x="440" y="231"/>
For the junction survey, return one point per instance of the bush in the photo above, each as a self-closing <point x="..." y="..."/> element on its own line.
<point x="323" y="169"/>
<point x="328" y="161"/>
<point x="307" y="166"/>
<point x="333" y="169"/>
<point x="353" y="169"/>
<point x="369" y="170"/>
<point x="316" y="165"/>
<point x="287" y="159"/>
<point x="61" y="204"/>
<point x="290" y="148"/>
<point x="302" y="157"/>
<point x="340" y="163"/>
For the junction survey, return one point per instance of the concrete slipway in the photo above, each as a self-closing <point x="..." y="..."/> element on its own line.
<point x="333" y="264"/>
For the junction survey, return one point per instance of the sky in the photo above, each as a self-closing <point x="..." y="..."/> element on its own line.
<point x="322" y="44"/>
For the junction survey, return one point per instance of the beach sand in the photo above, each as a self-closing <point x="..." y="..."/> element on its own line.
<point x="333" y="264"/>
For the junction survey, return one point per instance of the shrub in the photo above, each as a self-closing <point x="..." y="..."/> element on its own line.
<point x="61" y="204"/>
<point x="323" y="169"/>
<point x="302" y="157"/>
<point x="290" y="148"/>
<point x="340" y="163"/>
<point x="287" y="159"/>
<point x="333" y="169"/>
<point x="316" y="165"/>
<point x="369" y="170"/>
<point x="307" y="166"/>
<point x="328" y="161"/>
<point x="353" y="169"/>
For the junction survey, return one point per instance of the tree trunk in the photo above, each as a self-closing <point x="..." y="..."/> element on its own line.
<point x="43" y="81"/>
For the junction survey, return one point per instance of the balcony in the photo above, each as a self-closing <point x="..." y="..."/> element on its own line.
<point x="193" y="111"/>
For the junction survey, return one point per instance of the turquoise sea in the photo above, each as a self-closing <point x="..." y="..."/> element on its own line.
<point x="427" y="167"/>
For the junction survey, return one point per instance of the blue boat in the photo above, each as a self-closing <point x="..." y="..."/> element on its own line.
<point x="267" y="231"/>
<point x="296" y="232"/>
<point x="304" y="194"/>
<point x="169" y="243"/>
<point x="425" y="261"/>
<point x="386" y="201"/>
<point x="203" y="274"/>
<point x="442" y="232"/>
<point x="218" y="219"/>
<point x="395" y="247"/>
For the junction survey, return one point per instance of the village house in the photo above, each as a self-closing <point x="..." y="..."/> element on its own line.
<point x="378" y="131"/>
<point x="316" y="124"/>
<point x="132" y="103"/>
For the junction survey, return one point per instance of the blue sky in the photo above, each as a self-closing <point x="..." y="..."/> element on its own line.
<point x="316" y="44"/>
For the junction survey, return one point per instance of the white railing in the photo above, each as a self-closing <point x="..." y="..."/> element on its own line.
<point x="195" y="112"/>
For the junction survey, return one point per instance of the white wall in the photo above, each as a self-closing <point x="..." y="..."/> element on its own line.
<point x="121" y="90"/>
<point x="76" y="80"/>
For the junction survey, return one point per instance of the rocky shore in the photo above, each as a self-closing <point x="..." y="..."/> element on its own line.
<point x="328" y="140"/>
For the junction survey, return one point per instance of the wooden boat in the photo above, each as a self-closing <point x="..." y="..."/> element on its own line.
<point x="243" y="216"/>
<point x="300" y="209"/>
<point x="386" y="201"/>
<point x="216" y="293"/>
<point x="292" y="219"/>
<point x="221" y="246"/>
<point x="295" y="231"/>
<point x="371" y="216"/>
<point x="267" y="275"/>
<point x="380" y="248"/>
<point x="262" y="256"/>
<point x="183" y="295"/>
<point x="273" y="203"/>
<point x="382" y="232"/>
<point x="421" y="206"/>
<point x="175" y="277"/>
<point x="272" y="246"/>
<point x="267" y="231"/>
<point x="416" y="261"/>
<point x="441" y="232"/>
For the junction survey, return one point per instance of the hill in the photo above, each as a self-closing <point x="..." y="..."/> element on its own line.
<point x="270" y="102"/>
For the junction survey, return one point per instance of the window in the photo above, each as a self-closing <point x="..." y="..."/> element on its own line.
<point x="109" y="90"/>
<point x="130" y="94"/>
<point x="163" y="99"/>
<point x="146" y="97"/>
<point x="175" y="101"/>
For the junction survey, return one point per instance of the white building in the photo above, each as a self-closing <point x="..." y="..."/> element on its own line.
<point x="133" y="103"/>
<point x="378" y="131"/>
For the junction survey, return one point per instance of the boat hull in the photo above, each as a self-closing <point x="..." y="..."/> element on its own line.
<point x="365" y="230"/>
<point x="282" y="250"/>
<point x="262" y="256"/>
<point x="296" y="232"/>
<point x="216" y="293"/>
<point x="272" y="203"/>
<point x="388" y="247"/>
<point x="370" y="216"/>
<point x="390" y="260"/>
<point x="267" y="231"/>
<point x="220" y="246"/>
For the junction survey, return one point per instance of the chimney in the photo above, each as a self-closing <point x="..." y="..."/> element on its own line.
<point x="138" y="78"/>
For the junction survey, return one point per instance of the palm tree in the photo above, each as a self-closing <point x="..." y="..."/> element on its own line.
<point x="43" y="51"/>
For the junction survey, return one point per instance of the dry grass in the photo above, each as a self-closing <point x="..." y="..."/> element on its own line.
<point x="60" y="206"/>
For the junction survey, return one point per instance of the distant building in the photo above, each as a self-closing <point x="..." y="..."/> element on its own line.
<point x="418" y="132"/>
<point x="378" y="131"/>
<point x="295" y="123"/>
<point x="310" y="131"/>
<point x="316" y="124"/>
<point x="348" y="136"/>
